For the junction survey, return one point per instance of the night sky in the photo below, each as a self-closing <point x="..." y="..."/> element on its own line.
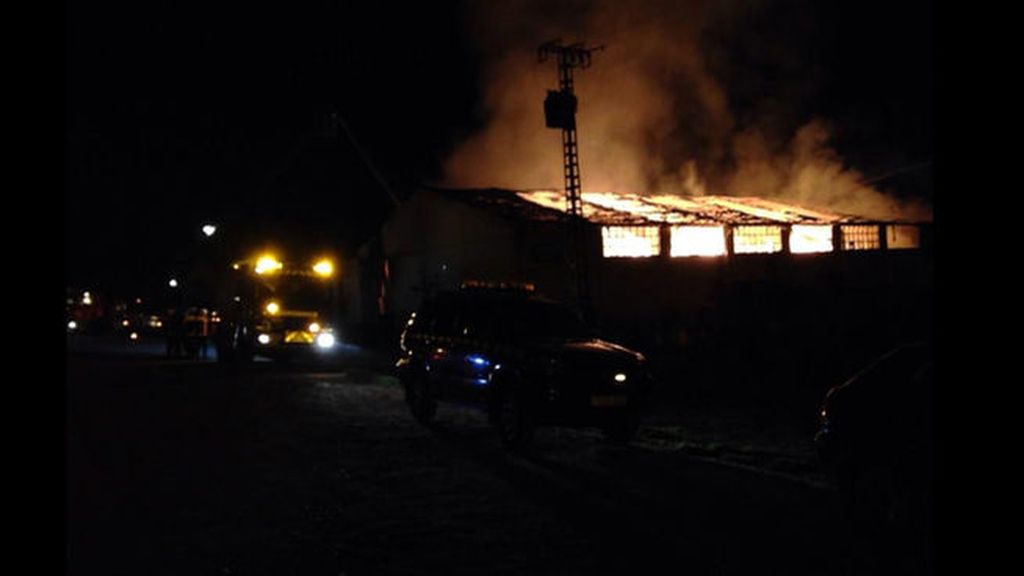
<point x="183" y="112"/>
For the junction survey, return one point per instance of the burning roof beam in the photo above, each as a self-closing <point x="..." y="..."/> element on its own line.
<point x="623" y="209"/>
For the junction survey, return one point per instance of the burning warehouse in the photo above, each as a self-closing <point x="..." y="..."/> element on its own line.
<point x="655" y="265"/>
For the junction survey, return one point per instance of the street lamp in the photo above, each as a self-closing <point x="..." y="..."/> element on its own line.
<point x="209" y="230"/>
<point x="173" y="283"/>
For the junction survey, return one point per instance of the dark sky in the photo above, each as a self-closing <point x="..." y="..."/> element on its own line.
<point x="181" y="112"/>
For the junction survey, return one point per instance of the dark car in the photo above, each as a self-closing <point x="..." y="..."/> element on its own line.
<point x="526" y="360"/>
<point x="876" y="436"/>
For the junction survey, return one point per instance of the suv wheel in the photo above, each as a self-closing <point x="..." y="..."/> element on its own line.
<point x="421" y="403"/>
<point x="514" y="421"/>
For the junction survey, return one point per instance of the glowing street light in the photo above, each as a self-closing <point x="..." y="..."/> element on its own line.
<point x="209" y="230"/>
<point x="173" y="283"/>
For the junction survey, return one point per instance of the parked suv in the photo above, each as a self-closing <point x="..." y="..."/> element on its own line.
<point x="526" y="360"/>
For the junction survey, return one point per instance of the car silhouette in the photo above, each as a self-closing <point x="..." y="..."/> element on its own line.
<point x="525" y="360"/>
<point x="876" y="438"/>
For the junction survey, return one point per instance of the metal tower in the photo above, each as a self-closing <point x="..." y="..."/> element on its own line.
<point x="560" y="112"/>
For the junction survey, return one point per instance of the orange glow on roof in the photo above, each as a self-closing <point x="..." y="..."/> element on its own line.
<point x="612" y="208"/>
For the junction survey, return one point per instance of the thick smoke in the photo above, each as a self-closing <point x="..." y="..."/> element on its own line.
<point x="655" y="114"/>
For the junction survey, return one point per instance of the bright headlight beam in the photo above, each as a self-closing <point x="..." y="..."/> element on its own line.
<point x="325" y="340"/>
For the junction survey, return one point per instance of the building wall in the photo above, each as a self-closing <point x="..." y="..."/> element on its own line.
<point x="434" y="243"/>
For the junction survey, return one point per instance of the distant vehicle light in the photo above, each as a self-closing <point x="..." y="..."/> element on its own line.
<point x="263" y="338"/>
<point x="324" y="268"/>
<point x="72" y="325"/>
<point x="172" y="283"/>
<point x="620" y="377"/>
<point x="268" y="264"/>
<point x="124" y="323"/>
<point x="134" y="335"/>
<point x="209" y="230"/>
<point x="314" y="327"/>
<point x="87" y="299"/>
<point x="273" y="308"/>
<point x="325" y="340"/>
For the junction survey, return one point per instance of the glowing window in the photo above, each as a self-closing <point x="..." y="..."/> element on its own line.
<point x="805" y="238"/>
<point x="698" y="241"/>
<point x="900" y="237"/>
<point x="860" y="237"/>
<point x="756" y="239"/>
<point x="630" y="241"/>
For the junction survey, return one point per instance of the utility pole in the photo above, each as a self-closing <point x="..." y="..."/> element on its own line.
<point x="560" y="112"/>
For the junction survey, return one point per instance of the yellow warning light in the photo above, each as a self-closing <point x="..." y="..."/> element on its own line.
<point x="268" y="264"/>
<point x="324" y="268"/>
<point x="273" y="308"/>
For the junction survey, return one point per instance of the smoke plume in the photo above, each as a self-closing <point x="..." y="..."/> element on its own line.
<point x="680" y="101"/>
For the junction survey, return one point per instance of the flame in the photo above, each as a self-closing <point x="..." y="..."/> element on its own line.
<point x="697" y="225"/>
<point x="804" y="239"/>
<point x="698" y="241"/>
<point x="630" y="204"/>
<point x="630" y="241"/>
<point x="757" y="239"/>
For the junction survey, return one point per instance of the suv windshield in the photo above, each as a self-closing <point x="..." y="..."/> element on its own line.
<point x="500" y="318"/>
<point x="532" y="320"/>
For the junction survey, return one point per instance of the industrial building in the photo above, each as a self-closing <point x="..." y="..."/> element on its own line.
<point x="659" y="268"/>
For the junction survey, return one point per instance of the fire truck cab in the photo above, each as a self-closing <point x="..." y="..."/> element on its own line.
<point x="277" y="310"/>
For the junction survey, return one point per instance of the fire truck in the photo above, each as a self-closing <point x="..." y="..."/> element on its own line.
<point x="276" y="309"/>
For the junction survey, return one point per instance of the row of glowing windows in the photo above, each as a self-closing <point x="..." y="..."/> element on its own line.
<point x="640" y="241"/>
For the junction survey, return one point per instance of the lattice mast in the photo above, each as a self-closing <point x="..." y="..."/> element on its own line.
<point x="560" y="112"/>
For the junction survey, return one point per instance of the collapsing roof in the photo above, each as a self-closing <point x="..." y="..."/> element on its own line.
<point x="609" y="208"/>
<point x="632" y="209"/>
<point x="698" y="225"/>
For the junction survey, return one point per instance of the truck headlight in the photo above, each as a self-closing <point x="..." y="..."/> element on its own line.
<point x="325" y="340"/>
